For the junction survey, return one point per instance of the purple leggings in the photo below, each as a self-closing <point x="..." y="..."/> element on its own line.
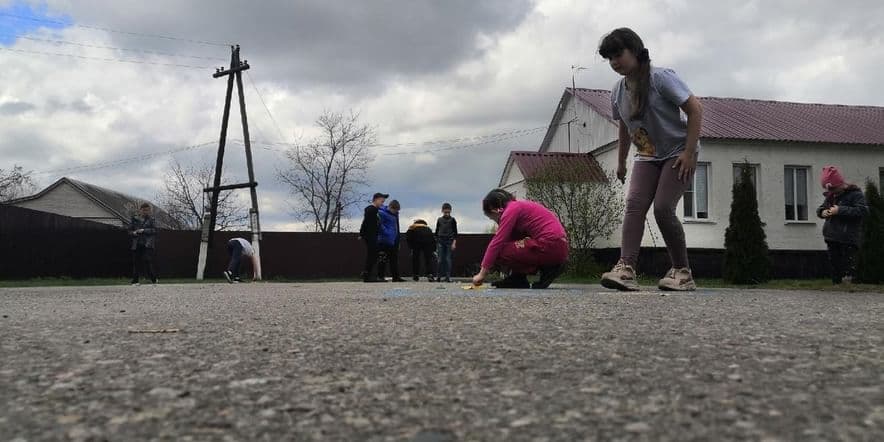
<point x="657" y="182"/>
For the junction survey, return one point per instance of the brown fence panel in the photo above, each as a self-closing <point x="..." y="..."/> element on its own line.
<point x="297" y="255"/>
<point x="38" y="244"/>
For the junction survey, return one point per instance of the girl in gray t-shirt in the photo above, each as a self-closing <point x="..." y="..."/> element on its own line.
<point x="648" y="103"/>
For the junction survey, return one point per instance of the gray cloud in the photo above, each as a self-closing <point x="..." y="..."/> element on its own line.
<point x="12" y="108"/>
<point x="422" y="70"/>
<point x="309" y="43"/>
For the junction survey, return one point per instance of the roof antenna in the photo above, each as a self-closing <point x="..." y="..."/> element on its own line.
<point x="574" y="70"/>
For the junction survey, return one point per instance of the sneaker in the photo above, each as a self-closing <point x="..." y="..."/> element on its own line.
<point x="447" y="279"/>
<point x="431" y="278"/>
<point x="415" y="278"/>
<point x="372" y="280"/>
<point x="155" y="281"/>
<point x="229" y="276"/>
<point x="548" y="275"/>
<point x="513" y="281"/>
<point x="621" y="277"/>
<point x="135" y="283"/>
<point x="847" y="280"/>
<point x="679" y="280"/>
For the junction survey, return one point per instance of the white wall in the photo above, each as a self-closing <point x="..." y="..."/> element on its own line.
<point x="67" y="201"/>
<point x="514" y="182"/>
<point x="597" y="131"/>
<point x="858" y="163"/>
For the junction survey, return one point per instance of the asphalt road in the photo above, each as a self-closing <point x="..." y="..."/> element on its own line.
<point x="431" y="362"/>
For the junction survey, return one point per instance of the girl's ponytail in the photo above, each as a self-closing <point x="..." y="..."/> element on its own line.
<point x="641" y="88"/>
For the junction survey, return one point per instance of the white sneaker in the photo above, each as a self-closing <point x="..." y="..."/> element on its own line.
<point x="229" y="276"/>
<point x="621" y="277"/>
<point x="678" y="280"/>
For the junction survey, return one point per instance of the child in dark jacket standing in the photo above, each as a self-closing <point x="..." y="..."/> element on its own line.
<point x="843" y="209"/>
<point x="422" y="243"/>
<point x="143" y="231"/>
<point x="368" y="232"/>
<point x="446" y="238"/>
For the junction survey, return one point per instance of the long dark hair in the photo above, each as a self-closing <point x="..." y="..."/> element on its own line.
<point x="496" y="199"/>
<point x="613" y="45"/>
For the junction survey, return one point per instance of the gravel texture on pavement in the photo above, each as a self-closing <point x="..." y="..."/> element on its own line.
<point x="432" y="362"/>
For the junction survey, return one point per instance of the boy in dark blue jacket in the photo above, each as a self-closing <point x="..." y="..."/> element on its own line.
<point x="843" y="209"/>
<point x="388" y="241"/>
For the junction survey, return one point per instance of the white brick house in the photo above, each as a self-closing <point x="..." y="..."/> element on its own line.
<point x="787" y="144"/>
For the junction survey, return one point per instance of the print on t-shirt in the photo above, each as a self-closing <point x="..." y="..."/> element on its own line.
<point x="643" y="142"/>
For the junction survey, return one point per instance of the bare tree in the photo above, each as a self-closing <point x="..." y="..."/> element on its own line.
<point x="183" y="198"/>
<point x="16" y="183"/>
<point x="325" y="176"/>
<point x="588" y="209"/>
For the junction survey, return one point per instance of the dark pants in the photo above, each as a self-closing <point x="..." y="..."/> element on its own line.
<point x="234" y="249"/>
<point x="445" y="258"/>
<point x="843" y="259"/>
<point x="142" y="259"/>
<point x="427" y="254"/>
<point x="371" y="257"/>
<point x="391" y="254"/>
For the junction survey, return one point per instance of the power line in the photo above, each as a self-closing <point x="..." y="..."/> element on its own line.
<point x="492" y="137"/>
<point x="515" y="134"/>
<point x="121" y="161"/>
<point x="266" y="146"/>
<point x="270" y="114"/>
<point x="115" y="60"/>
<point x="86" y="45"/>
<point x="116" y="31"/>
<point x="465" y="146"/>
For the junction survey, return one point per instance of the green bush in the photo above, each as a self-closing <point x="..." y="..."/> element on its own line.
<point x="746" y="259"/>
<point x="581" y="264"/>
<point x="870" y="262"/>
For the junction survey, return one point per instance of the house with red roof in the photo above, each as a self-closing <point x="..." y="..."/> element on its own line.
<point x="786" y="143"/>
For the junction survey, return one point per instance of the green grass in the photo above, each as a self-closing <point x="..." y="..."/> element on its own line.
<point x="777" y="284"/>
<point x="71" y="282"/>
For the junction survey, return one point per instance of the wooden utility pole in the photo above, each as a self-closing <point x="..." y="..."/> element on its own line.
<point x="234" y="72"/>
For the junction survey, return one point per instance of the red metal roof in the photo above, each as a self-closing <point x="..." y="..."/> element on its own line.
<point x="744" y="119"/>
<point x="532" y="163"/>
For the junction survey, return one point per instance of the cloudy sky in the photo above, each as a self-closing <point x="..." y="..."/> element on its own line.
<point x="418" y="71"/>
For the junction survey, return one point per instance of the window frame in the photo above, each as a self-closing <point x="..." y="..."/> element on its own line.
<point x="693" y="193"/>
<point x="794" y="177"/>
<point x="755" y="168"/>
<point x="881" y="180"/>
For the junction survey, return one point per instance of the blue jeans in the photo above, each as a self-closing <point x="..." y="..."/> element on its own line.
<point x="443" y="249"/>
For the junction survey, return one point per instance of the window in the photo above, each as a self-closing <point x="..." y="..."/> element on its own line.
<point x="795" y="185"/>
<point x="696" y="198"/>
<point x="753" y="170"/>
<point x="881" y="180"/>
